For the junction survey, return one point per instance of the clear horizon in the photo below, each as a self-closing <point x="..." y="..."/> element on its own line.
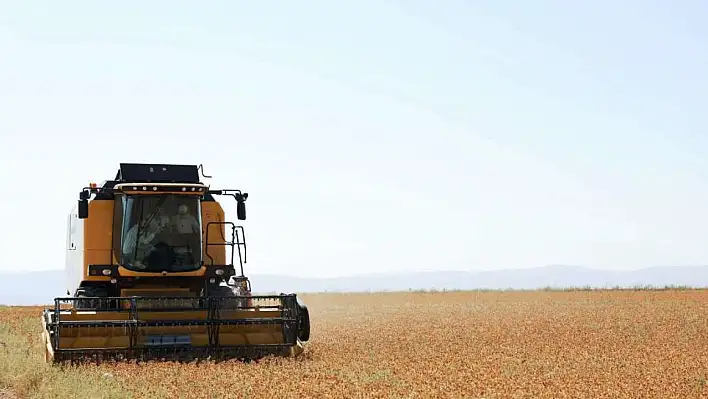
<point x="388" y="136"/>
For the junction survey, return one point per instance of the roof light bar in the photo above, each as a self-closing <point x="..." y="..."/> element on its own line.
<point x="187" y="188"/>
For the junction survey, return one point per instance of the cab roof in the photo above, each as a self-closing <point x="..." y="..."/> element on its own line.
<point x="157" y="173"/>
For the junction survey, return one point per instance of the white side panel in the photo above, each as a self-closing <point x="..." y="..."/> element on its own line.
<point x="74" y="251"/>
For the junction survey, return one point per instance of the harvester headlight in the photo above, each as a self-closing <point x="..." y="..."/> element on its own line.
<point x="212" y="280"/>
<point x="114" y="281"/>
<point x="219" y="272"/>
<point x="106" y="272"/>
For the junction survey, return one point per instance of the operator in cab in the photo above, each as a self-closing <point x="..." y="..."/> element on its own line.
<point x="184" y="222"/>
<point x="145" y="241"/>
<point x="186" y="236"/>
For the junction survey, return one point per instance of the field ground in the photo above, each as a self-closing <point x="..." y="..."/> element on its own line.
<point x="595" y="344"/>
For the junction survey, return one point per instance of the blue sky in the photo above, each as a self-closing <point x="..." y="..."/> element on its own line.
<point x="372" y="135"/>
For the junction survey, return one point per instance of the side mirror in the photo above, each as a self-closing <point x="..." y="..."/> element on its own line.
<point x="83" y="209"/>
<point x="241" y="210"/>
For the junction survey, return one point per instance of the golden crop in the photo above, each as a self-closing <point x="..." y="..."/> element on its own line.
<point x="594" y="344"/>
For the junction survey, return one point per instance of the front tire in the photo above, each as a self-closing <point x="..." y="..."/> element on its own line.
<point x="303" y="325"/>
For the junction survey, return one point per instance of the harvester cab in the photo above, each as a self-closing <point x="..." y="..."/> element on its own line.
<point x="152" y="274"/>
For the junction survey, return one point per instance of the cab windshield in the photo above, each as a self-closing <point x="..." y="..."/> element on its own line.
<point x="161" y="233"/>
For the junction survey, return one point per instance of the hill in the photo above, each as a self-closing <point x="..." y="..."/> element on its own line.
<point x="40" y="287"/>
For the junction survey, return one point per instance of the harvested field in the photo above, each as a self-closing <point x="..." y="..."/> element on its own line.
<point x="594" y="344"/>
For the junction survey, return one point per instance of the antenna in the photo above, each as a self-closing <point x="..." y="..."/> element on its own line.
<point x="201" y="170"/>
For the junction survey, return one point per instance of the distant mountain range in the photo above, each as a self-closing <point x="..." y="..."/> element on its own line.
<point x="41" y="287"/>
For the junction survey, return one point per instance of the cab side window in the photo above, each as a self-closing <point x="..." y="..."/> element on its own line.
<point x="117" y="226"/>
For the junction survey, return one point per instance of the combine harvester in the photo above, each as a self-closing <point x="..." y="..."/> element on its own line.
<point x="148" y="277"/>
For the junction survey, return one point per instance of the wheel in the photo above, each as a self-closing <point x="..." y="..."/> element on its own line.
<point x="303" y="325"/>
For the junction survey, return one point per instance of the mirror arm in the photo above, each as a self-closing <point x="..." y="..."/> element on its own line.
<point x="87" y="192"/>
<point x="238" y="196"/>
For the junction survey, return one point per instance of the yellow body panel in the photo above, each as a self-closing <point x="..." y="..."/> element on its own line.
<point x="213" y="212"/>
<point x="98" y="238"/>
<point x="78" y="315"/>
<point x="117" y="337"/>
<point x="197" y="339"/>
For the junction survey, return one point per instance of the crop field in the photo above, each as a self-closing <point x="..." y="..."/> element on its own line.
<point x="536" y="344"/>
